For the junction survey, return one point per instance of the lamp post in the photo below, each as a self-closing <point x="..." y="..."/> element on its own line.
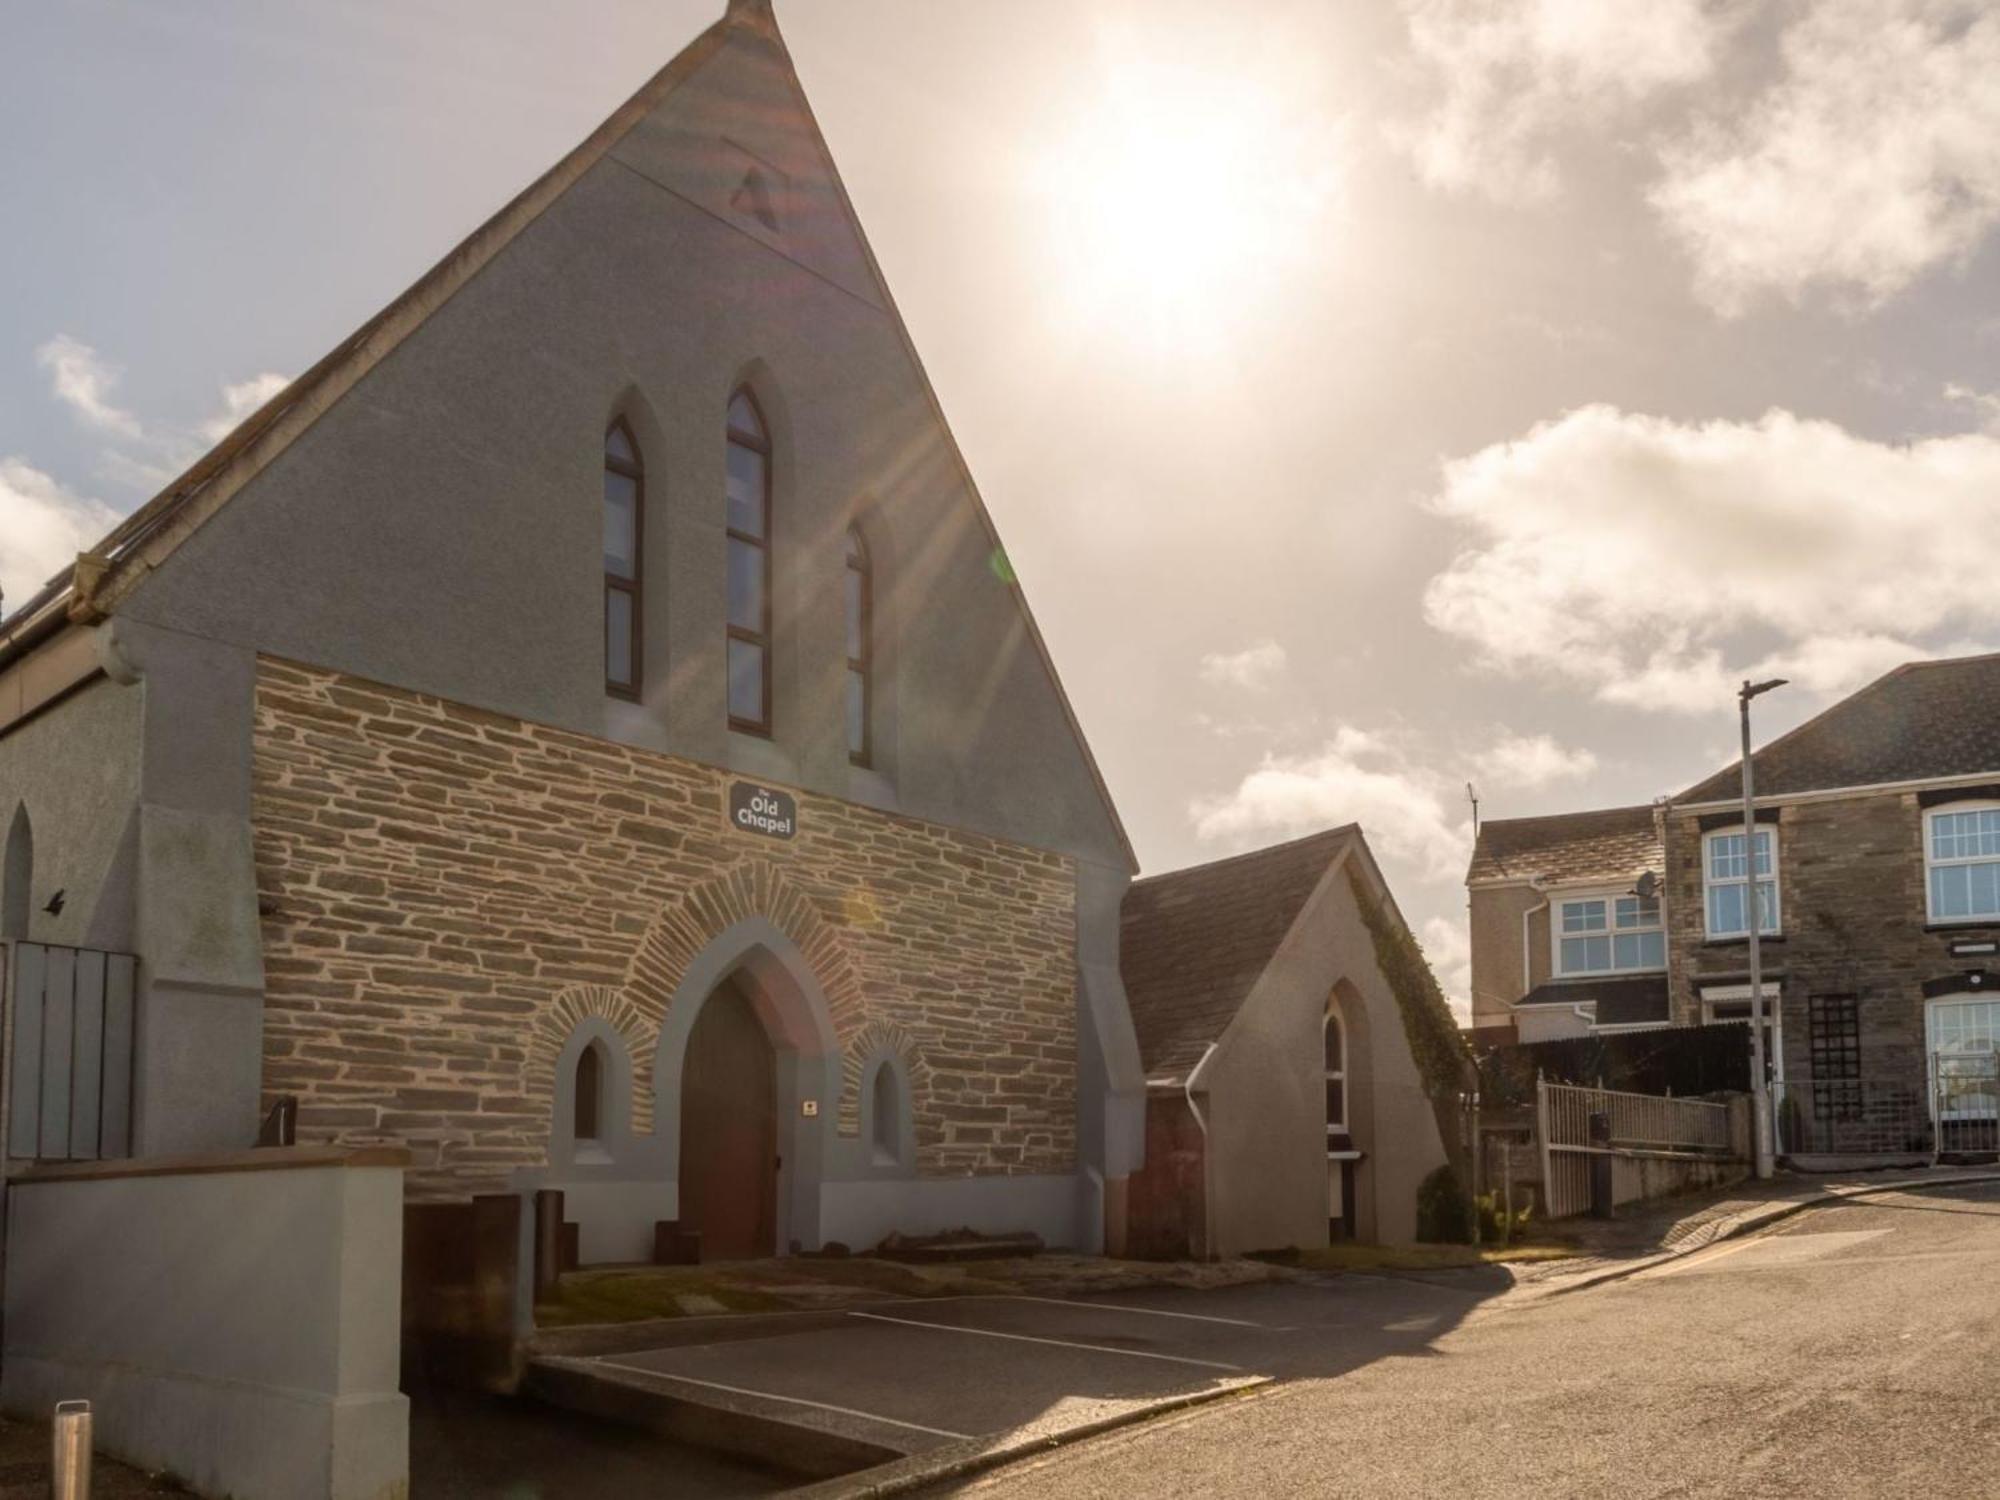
<point x="1760" y="1084"/>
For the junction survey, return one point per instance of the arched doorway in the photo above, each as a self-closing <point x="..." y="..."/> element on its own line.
<point x="728" y="1129"/>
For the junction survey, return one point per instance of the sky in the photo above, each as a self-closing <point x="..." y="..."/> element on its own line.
<point x="1374" y="399"/>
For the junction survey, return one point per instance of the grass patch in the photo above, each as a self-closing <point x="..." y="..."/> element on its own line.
<point x="632" y="1296"/>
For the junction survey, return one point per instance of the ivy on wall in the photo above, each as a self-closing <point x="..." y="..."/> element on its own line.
<point x="1440" y="1052"/>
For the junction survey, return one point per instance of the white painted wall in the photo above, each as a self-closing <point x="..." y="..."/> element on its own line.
<point x="233" y="1319"/>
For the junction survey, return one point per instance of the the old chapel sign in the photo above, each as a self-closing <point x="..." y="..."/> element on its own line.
<point x="762" y="810"/>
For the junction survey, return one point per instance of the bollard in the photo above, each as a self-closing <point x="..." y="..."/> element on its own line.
<point x="69" y="1476"/>
<point x="1602" y="1183"/>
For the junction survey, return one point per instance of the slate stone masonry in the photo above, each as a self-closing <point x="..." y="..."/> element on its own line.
<point x="446" y="892"/>
<point x="1851" y="905"/>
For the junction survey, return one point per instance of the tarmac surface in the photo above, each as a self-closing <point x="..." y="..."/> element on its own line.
<point x="1847" y="1350"/>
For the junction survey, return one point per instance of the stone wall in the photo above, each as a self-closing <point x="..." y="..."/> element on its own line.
<point x="446" y="891"/>
<point x="1851" y="905"/>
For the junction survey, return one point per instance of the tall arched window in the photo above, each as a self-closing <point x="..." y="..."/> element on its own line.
<point x="1336" y="1074"/>
<point x="624" y="529"/>
<point x="860" y="649"/>
<point x="17" y="871"/>
<point x="589" y="1093"/>
<point x="749" y="523"/>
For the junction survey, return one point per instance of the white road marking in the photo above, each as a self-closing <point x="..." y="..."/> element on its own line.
<point x="1151" y="1312"/>
<point x="739" y="1390"/>
<point x="1411" y="1325"/>
<point x="1023" y="1338"/>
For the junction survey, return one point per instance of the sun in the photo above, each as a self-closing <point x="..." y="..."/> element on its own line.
<point x="1181" y="198"/>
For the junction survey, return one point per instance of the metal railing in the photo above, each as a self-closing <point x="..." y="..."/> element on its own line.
<point x="1639" y="1122"/>
<point x="1951" y="1104"/>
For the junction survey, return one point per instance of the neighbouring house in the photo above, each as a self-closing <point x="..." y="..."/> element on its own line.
<point x="1876" y="884"/>
<point x="1562" y="942"/>
<point x="585" y="733"/>
<point x="1283" y="1105"/>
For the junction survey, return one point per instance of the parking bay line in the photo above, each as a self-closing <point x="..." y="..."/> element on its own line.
<point x="1151" y="1312"/>
<point x="1024" y="1338"/>
<point x="739" y="1390"/>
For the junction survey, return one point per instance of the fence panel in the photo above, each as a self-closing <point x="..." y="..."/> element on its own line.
<point x="70" y="1072"/>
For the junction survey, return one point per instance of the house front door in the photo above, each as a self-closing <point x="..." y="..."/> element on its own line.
<point x="729" y="1157"/>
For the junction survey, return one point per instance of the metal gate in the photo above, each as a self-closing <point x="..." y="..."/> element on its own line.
<point x="69" y="1061"/>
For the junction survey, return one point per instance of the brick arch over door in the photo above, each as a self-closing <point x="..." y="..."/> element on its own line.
<point x="877" y="1039"/>
<point x="555" y="1026"/>
<point x="688" y="928"/>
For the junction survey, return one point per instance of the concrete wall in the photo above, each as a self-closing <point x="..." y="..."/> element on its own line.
<point x="234" y="1320"/>
<point x="1266" y="1093"/>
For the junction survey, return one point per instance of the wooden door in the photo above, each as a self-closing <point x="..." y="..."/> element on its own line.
<point x="729" y="1127"/>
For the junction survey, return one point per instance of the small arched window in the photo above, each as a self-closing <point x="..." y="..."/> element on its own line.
<point x="860" y="600"/>
<point x="886" y="1106"/>
<point x="589" y="1093"/>
<point x="749" y="525"/>
<point x="624" y="531"/>
<point x="1336" y="1074"/>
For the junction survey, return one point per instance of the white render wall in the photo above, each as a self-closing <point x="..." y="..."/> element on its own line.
<point x="233" y="1319"/>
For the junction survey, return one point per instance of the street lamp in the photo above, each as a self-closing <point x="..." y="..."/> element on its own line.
<point x="1760" y="1085"/>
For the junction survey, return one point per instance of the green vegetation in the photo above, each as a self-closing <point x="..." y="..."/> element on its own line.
<point x="1443" y="1060"/>
<point x="1444" y="1212"/>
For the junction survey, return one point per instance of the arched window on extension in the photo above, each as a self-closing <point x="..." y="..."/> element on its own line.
<point x="1336" y="1075"/>
<point x="624" y="532"/>
<point x="887" y="1108"/>
<point x="590" y="1093"/>
<point x="17" y="872"/>
<point x="860" y="650"/>
<point x="749" y="523"/>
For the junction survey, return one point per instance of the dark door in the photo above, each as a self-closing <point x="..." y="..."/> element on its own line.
<point x="729" y="1161"/>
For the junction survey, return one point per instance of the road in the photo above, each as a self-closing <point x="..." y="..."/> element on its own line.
<point x="1851" y="1350"/>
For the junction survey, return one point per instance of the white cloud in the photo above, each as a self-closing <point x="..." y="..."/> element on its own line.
<point x="1357" y="776"/>
<point x="1449" y="950"/>
<point x="1530" y="761"/>
<point x="1874" y="156"/>
<point x="1256" y="667"/>
<point x="1656" y="563"/>
<point x="1510" y="76"/>
<point x="83" y="382"/>
<point x="238" y="401"/>
<point x="1984" y="405"/>
<point x="42" y="528"/>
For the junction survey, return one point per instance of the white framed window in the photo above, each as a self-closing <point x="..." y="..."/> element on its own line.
<point x="1962" y="862"/>
<point x="1725" y="880"/>
<point x="1336" y="1074"/>
<point x="1609" y="933"/>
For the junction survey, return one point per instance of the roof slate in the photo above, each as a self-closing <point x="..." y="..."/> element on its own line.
<point x="1612" y="843"/>
<point x="1924" y="720"/>
<point x="1193" y="942"/>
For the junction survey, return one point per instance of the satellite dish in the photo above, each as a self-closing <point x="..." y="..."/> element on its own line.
<point x="1647" y="887"/>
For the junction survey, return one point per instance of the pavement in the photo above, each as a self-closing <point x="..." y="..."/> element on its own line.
<point x="1844" y="1349"/>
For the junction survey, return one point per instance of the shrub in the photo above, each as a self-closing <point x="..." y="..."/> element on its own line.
<point x="1443" y="1215"/>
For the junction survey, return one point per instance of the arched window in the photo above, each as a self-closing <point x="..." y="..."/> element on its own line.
<point x="589" y="1093"/>
<point x="16" y="874"/>
<point x="1336" y="1074"/>
<point x="624" y="530"/>
<point x="887" y="1109"/>
<point x="749" y="524"/>
<point x="860" y="649"/>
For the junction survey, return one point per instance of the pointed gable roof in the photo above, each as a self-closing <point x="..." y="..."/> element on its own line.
<point x="94" y="586"/>
<point x="1193" y="943"/>
<point x="1925" y="720"/>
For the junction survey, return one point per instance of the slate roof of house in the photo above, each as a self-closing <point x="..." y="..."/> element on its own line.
<point x="1926" y="719"/>
<point x="1630" y="1000"/>
<point x="1612" y="842"/>
<point x="1193" y="942"/>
